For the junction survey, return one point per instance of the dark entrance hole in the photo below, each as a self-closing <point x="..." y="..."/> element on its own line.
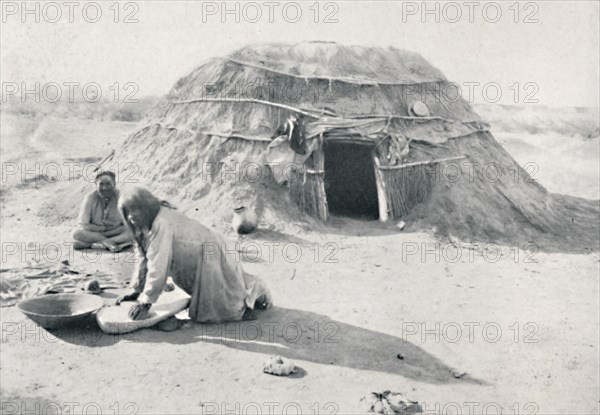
<point x="350" y="180"/>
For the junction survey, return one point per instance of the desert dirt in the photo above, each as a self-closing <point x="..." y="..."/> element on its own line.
<point x="362" y="307"/>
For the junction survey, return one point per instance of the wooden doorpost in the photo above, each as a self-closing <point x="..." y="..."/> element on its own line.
<point x="319" y="166"/>
<point x="381" y="194"/>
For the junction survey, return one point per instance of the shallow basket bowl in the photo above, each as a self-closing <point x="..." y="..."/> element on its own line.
<point x="52" y="311"/>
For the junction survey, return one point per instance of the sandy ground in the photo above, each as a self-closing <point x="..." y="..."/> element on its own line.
<point x="362" y="308"/>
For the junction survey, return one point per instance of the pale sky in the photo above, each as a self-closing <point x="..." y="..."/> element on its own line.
<point x="558" y="54"/>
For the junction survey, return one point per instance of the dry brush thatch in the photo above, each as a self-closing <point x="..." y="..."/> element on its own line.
<point x="201" y="145"/>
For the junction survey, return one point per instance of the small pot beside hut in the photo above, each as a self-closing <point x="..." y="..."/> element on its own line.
<point x="244" y="220"/>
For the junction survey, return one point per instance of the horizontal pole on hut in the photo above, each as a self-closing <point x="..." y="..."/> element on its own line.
<point x="245" y="137"/>
<point x="314" y="114"/>
<point x="349" y="140"/>
<point x="402" y="117"/>
<point x="421" y="163"/>
<point x="247" y="100"/>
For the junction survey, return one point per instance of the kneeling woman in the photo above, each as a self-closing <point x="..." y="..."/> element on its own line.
<point x="171" y="244"/>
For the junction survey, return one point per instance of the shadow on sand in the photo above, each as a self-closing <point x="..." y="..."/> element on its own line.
<point x="335" y="225"/>
<point x="299" y="335"/>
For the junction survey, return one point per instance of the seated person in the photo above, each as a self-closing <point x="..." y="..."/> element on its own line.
<point x="100" y="223"/>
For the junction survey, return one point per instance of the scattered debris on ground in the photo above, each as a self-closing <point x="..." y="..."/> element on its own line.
<point x="389" y="403"/>
<point x="279" y="366"/>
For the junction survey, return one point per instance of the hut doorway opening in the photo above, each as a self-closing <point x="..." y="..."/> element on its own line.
<point x="350" y="180"/>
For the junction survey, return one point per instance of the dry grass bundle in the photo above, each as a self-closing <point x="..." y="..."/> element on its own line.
<point x="407" y="187"/>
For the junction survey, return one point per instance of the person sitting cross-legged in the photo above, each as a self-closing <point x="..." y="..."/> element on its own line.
<point x="100" y="223"/>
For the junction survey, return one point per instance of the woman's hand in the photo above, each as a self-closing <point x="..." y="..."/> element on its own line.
<point x="113" y="230"/>
<point x="132" y="296"/>
<point x="139" y="311"/>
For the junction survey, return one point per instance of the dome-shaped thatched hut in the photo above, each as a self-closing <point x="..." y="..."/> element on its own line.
<point x="380" y="133"/>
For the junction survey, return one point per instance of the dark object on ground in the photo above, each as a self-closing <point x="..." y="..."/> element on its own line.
<point x="458" y="374"/>
<point x="244" y="220"/>
<point x="262" y="303"/>
<point x="93" y="287"/>
<point x="170" y="324"/>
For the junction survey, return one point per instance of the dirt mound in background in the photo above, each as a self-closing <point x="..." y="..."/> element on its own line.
<point x="538" y="119"/>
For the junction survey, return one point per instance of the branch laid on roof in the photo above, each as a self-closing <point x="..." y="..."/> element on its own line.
<point x="421" y="163"/>
<point x="314" y="114"/>
<point x="248" y="100"/>
<point x="330" y="78"/>
<point x="232" y="135"/>
<point x="401" y="117"/>
<point x="245" y="137"/>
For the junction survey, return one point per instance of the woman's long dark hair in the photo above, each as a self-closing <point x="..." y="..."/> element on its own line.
<point x="143" y="201"/>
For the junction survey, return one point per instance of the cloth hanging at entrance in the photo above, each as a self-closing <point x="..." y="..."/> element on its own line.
<point x="280" y="158"/>
<point x="295" y="129"/>
<point x="283" y="161"/>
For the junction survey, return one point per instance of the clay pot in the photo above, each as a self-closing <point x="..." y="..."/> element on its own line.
<point x="244" y="220"/>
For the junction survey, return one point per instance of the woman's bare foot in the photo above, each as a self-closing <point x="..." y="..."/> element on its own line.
<point x="98" y="245"/>
<point x="110" y="245"/>
<point x="78" y="245"/>
<point x="124" y="245"/>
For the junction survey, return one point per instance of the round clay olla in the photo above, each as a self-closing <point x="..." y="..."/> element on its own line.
<point x="420" y="109"/>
